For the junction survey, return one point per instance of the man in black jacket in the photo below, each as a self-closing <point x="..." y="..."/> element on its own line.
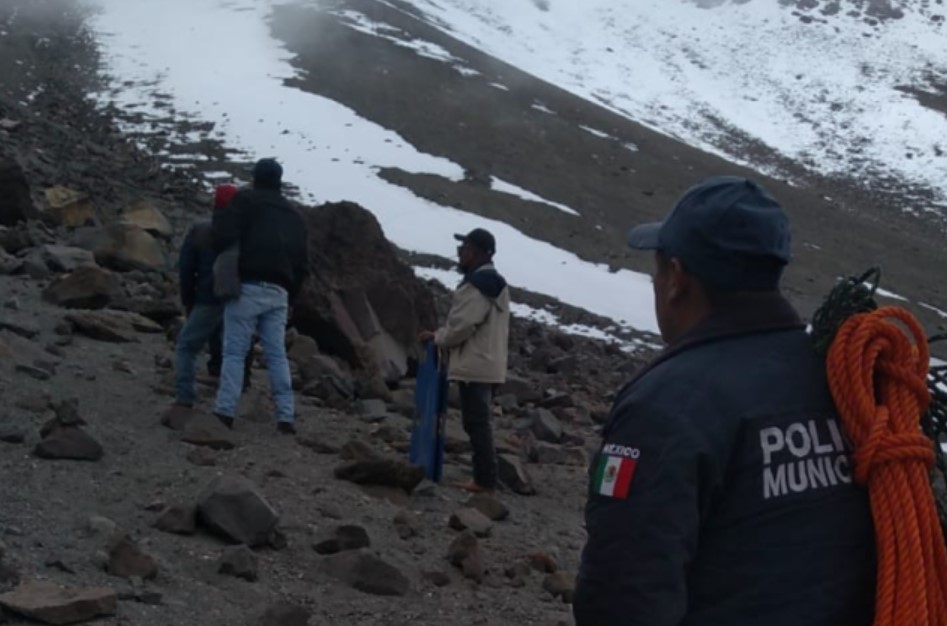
<point x="273" y="263"/>
<point x="722" y="493"/>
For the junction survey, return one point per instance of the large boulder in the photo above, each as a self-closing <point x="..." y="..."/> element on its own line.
<point x="122" y="247"/>
<point x="233" y="507"/>
<point x="52" y="604"/>
<point x="16" y="204"/>
<point x="69" y="208"/>
<point x="65" y="258"/>
<point x="361" y="302"/>
<point x="145" y="216"/>
<point x="86" y="288"/>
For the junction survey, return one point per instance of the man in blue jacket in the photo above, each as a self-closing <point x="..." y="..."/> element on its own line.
<point x="722" y="493"/>
<point x="203" y="310"/>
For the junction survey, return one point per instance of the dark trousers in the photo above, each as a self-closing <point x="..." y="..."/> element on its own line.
<point x="476" y="407"/>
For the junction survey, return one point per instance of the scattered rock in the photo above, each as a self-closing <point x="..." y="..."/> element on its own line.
<point x="546" y="426"/>
<point x="373" y="410"/>
<point x="86" y="288"/>
<point x="34" y="403"/>
<point x="10" y="434"/>
<point x="464" y="552"/>
<point x="514" y="475"/>
<point x="65" y="258"/>
<point x="557" y="400"/>
<point x="52" y="604"/>
<point x="239" y="561"/>
<point x="473" y="520"/>
<point x="358" y="450"/>
<point x="17" y="203"/>
<point x="34" y="267"/>
<point x="70" y="443"/>
<point x="560" y="585"/>
<point x="127" y="560"/>
<point x="407" y="524"/>
<point x="436" y="578"/>
<point x="206" y="430"/>
<point x="38" y="373"/>
<point x="102" y="527"/>
<point x="177" y="519"/>
<point x="9" y="264"/>
<point x="342" y="538"/>
<point x="202" y="457"/>
<point x="367" y="573"/>
<point x="233" y="507"/>
<point x="507" y="402"/>
<point x="518" y="573"/>
<point x="317" y="444"/>
<point x="303" y="348"/>
<point x="115" y="326"/>
<point x="60" y="565"/>
<point x="9" y="576"/>
<point x="27" y="330"/>
<point x="491" y="508"/>
<point x="66" y="413"/>
<point x="69" y="208"/>
<point x="144" y="215"/>
<point x="123" y="247"/>
<point x="284" y="614"/>
<point x="543" y="562"/>
<point x="524" y="391"/>
<point x="382" y="472"/>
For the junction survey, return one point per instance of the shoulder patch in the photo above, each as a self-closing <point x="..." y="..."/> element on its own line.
<point x="615" y="470"/>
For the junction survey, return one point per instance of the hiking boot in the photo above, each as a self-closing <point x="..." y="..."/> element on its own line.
<point x="177" y="416"/>
<point x="226" y="421"/>
<point x="286" y="428"/>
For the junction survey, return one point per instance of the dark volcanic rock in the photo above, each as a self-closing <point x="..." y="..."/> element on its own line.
<point x="382" y="472"/>
<point x="233" y="507"/>
<point x="361" y="302"/>
<point x="16" y="204"/>
<point x="86" y="288"/>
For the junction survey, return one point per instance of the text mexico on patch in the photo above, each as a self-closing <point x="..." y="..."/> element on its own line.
<point x="615" y="469"/>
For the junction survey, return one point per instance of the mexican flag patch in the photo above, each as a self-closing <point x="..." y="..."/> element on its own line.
<point x="613" y="476"/>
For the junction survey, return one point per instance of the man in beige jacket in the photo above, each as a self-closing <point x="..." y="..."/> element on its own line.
<point x="476" y="337"/>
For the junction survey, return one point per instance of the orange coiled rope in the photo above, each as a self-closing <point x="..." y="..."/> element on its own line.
<point x="877" y="373"/>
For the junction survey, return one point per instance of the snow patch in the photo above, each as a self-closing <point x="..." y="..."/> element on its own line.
<point x="505" y="187"/>
<point x="832" y="95"/>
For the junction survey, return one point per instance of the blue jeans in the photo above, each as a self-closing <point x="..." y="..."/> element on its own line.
<point x="261" y="307"/>
<point x="197" y="330"/>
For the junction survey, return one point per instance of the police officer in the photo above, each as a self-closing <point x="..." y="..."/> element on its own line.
<point x="722" y="493"/>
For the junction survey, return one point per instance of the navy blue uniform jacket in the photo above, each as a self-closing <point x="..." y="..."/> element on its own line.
<point x="730" y="495"/>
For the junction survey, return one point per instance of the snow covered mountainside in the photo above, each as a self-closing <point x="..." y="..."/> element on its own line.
<point x="855" y="89"/>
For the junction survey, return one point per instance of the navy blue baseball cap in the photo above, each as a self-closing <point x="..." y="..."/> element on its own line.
<point x="268" y="173"/>
<point x="727" y="231"/>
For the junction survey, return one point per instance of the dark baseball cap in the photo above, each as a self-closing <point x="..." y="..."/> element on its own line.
<point x="728" y="231"/>
<point x="268" y="173"/>
<point x="479" y="238"/>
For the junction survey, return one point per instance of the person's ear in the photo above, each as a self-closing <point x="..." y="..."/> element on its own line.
<point x="678" y="281"/>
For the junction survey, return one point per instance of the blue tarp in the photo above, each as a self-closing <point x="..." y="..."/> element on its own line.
<point x="430" y="408"/>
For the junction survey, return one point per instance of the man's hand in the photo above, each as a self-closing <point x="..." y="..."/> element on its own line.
<point x="426" y="335"/>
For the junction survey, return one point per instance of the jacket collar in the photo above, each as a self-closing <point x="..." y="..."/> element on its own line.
<point x="480" y="268"/>
<point x="746" y="315"/>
